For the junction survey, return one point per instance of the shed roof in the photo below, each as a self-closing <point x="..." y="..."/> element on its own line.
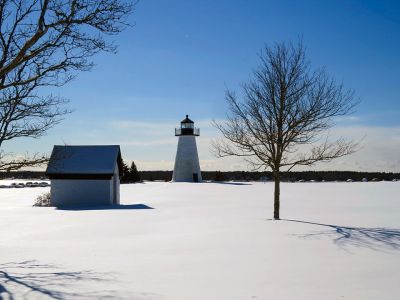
<point x="84" y="161"/>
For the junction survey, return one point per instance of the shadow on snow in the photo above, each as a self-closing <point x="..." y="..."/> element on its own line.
<point x="26" y="279"/>
<point x="229" y="183"/>
<point x="372" y="238"/>
<point x="104" y="207"/>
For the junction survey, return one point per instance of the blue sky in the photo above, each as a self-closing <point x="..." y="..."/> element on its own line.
<point x="181" y="56"/>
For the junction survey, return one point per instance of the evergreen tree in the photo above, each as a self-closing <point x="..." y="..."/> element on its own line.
<point x="219" y="176"/>
<point x="125" y="172"/>
<point x="134" y="175"/>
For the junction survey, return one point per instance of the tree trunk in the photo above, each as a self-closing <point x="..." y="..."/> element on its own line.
<point x="277" y="180"/>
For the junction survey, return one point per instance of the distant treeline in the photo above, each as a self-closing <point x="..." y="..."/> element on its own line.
<point x="286" y="176"/>
<point x="23" y="175"/>
<point x="241" y="175"/>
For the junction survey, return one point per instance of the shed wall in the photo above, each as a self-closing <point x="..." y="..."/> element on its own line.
<point x="81" y="192"/>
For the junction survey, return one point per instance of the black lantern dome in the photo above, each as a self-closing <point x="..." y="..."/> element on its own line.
<point x="187" y="120"/>
<point x="187" y="128"/>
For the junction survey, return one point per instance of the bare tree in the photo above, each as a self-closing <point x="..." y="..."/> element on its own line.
<point x="44" y="43"/>
<point x="282" y="119"/>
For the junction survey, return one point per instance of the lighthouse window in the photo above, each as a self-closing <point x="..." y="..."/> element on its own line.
<point x="187" y="125"/>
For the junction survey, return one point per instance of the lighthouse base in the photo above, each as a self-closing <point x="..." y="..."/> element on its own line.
<point x="187" y="166"/>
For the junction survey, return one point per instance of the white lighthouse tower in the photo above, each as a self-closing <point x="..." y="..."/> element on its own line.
<point x="187" y="167"/>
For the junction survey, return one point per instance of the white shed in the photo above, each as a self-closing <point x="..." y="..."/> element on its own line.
<point x="85" y="175"/>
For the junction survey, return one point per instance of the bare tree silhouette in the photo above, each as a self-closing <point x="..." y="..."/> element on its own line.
<point x="45" y="44"/>
<point x="283" y="117"/>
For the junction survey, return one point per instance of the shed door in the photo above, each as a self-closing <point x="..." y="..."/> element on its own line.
<point x="195" y="177"/>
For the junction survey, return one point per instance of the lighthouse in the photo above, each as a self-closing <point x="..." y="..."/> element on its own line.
<point x="187" y="167"/>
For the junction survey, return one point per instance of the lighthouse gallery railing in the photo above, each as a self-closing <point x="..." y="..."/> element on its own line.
<point x="187" y="131"/>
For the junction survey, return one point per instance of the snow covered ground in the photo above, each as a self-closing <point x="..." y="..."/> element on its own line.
<point x="206" y="241"/>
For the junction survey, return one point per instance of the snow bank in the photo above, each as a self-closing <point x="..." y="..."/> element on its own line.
<point x="206" y="241"/>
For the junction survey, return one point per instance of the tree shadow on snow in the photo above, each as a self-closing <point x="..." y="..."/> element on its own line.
<point x="372" y="238"/>
<point x="28" y="279"/>
<point x="230" y="183"/>
<point x="105" y="207"/>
